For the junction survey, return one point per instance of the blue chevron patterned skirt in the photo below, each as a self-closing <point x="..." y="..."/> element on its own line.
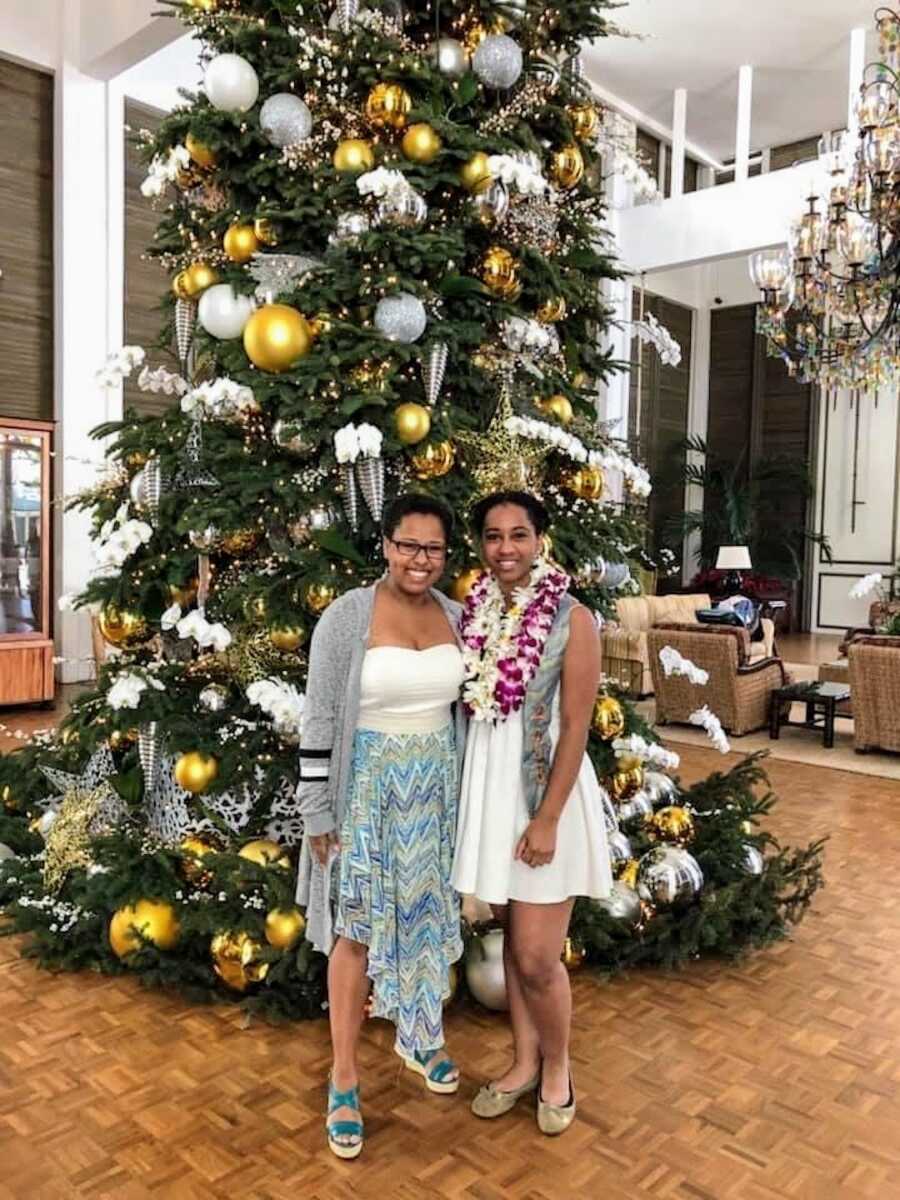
<point x="394" y="890"/>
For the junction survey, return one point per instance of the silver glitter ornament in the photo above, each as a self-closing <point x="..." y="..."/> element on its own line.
<point x="214" y="697"/>
<point x="623" y="903"/>
<point x="403" y="208"/>
<point x="669" y="874"/>
<point x="491" y="205"/>
<point x="185" y="324"/>
<point x="146" y="488"/>
<point x="638" y="805"/>
<point x="285" y="119"/>
<point x="149" y="753"/>
<point x="497" y="61"/>
<point x="370" y="477"/>
<point x="205" y="539"/>
<point x="609" y="574"/>
<point x="619" y="848"/>
<point x="401" y="318"/>
<point x="289" y="436"/>
<point x="450" y="57"/>
<point x="484" y="970"/>
<point x="349" y="227"/>
<point x="434" y="368"/>
<point x="350" y="495"/>
<point x="754" y="863"/>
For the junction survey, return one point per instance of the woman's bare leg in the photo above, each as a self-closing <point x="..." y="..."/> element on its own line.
<point x="526" y="1050"/>
<point x="348" y="988"/>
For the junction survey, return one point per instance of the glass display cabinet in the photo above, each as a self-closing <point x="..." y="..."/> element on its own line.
<point x="26" y="636"/>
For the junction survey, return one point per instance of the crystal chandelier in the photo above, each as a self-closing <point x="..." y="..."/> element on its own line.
<point x="831" y="299"/>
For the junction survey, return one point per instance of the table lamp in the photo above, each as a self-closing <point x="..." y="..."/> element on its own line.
<point x="734" y="560"/>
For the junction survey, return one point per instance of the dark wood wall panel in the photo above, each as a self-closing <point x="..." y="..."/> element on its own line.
<point x="26" y="243"/>
<point x="145" y="282"/>
<point x="732" y="349"/>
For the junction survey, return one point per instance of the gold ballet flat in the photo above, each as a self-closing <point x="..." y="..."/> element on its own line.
<point x="490" y="1102"/>
<point x="554" y="1119"/>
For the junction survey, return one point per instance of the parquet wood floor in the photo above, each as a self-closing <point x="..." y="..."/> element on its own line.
<point x="774" y="1079"/>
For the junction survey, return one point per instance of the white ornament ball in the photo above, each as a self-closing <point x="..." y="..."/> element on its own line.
<point x="498" y="61"/>
<point x="231" y="84"/>
<point x="285" y="120"/>
<point x="223" y="312"/>
<point x="450" y="56"/>
<point x="401" y="318"/>
<point x="484" y="970"/>
<point x="6" y="854"/>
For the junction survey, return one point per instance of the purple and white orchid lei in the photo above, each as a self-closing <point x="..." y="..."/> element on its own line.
<point x="502" y="646"/>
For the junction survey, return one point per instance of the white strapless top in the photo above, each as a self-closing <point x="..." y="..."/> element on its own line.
<point x="409" y="691"/>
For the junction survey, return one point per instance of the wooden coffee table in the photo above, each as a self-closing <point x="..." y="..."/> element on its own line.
<point x="821" y="700"/>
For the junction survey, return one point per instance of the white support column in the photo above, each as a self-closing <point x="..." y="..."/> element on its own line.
<point x="661" y="167"/>
<point x="698" y="424"/>
<point x="86" y="260"/>
<point x="744" y="117"/>
<point x="612" y="398"/>
<point x="679" y="134"/>
<point x="857" y="70"/>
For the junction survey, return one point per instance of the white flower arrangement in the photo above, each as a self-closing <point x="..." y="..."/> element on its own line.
<point x="713" y="726"/>
<point x="521" y="171"/>
<point x="865" y="586"/>
<point x="128" y="688"/>
<point x="162" y="381"/>
<point x="196" y="626"/>
<point x="654" y="333"/>
<point x="119" y="366"/>
<point x="674" y="663"/>
<point x="281" y="701"/>
<point x="170" y="617"/>
<point x="219" y="399"/>
<point x="357" y="441"/>
<point x="637" y="476"/>
<point x="165" y="169"/>
<point x="634" y="746"/>
<point x="524" y="334"/>
<point x="119" y="538"/>
<point x="382" y="182"/>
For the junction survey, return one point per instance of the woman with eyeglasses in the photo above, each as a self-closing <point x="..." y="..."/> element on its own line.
<point x="379" y="767"/>
<point x="531" y="833"/>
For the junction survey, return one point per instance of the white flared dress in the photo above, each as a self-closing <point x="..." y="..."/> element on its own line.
<point x="493" y="815"/>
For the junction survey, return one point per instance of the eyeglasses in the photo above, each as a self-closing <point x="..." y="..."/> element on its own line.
<point x="433" y="551"/>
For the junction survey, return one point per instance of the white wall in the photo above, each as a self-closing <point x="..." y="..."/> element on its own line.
<point x="30" y="31"/>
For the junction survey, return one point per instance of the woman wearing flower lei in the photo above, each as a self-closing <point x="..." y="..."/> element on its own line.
<point x="531" y="834"/>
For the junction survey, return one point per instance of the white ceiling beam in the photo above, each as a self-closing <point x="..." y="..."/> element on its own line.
<point x="116" y="36"/>
<point x="655" y="127"/>
<point x="857" y="71"/>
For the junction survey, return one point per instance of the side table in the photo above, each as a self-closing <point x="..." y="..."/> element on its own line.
<point x="821" y="700"/>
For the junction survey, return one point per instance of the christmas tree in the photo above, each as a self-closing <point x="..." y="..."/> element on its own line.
<point x="383" y="228"/>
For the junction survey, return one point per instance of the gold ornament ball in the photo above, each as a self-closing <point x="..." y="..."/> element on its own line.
<point x="475" y="175"/>
<point x="421" y="143"/>
<point x="288" y="638"/>
<point x="194" y="280"/>
<point x="499" y="271"/>
<point x="585" y="120"/>
<point x="276" y="337"/>
<point x="122" y="628"/>
<point x="265" y="231"/>
<point x="318" y="596"/>
<point x="434" y="460"/>
<point x="235" y="959"/>
<point x="319" y="325"/>
<point x="463" y="584"/>
<point x="387" y="106"/>
<point x="552" y="310"/>
<point x="195" y="771"/>
<point x="206" y="6"/>
<point x="285" y="927"/>
<point x="558" y="406"/>
<point x="609" y="718"/>
<point x="193" y="849"/>
<point x="567" y="167"/>
<point x="199" y="152"/>
<point x="627" y="780"/>
<point x="573" y="955"/>
<point x="240" y="243"/>
<point x="412" y="423"/>
<point x="265" y="854"/>
<point x="184" y="594"/>
<point x="628" y="872"/>
<point x="587" y="483"/>
<point x="239" y="542"/>
<point x="672" y="824"/>
<point x="156" y="921"/>
<point x="180" y="286"/>
<point x="352" y="156"/>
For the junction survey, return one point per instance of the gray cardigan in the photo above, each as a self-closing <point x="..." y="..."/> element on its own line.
<point x="331" y="708"/>
<point x="330" y="716"/>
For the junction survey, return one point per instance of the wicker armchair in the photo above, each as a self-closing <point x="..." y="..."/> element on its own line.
<point x="738" y="690"/>
<point x="875" y="686"/>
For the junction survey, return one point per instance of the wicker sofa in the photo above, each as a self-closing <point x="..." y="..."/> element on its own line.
<point x="625" y="654"/>
<point x="875" y="686"/>
<point x="738" y="691"/>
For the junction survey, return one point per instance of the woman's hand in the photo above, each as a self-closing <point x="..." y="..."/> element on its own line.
<point x="321" y="845"/>
<point x="537" y="845"/>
